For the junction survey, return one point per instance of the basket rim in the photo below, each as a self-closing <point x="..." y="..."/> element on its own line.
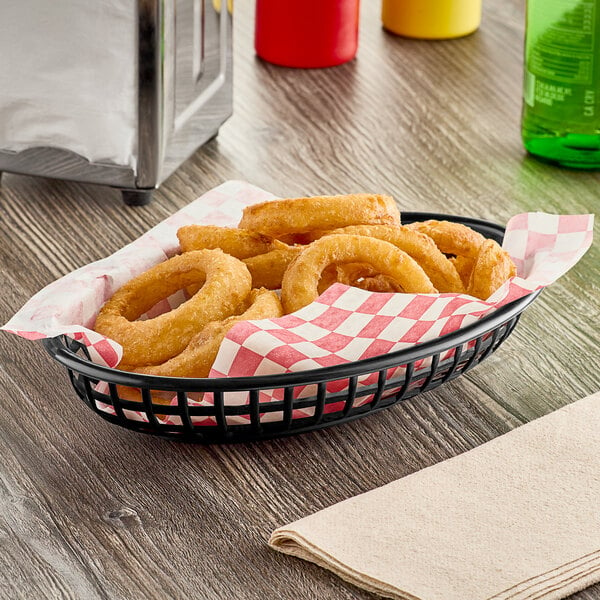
<point x="61" y="353"/>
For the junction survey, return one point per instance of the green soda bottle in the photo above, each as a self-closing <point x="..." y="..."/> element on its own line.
<point x="561" y="91"/>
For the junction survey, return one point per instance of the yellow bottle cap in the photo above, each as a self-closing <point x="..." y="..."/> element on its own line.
<point x="431" y="19"/>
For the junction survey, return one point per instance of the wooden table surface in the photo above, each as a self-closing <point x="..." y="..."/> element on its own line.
<point x="90" y="510"/>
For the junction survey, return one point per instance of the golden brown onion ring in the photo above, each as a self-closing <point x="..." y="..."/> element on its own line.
<point x="199" y="355"/>
<point x="451" y="238"/>
<point x="303" y="215"/>
<point x="419" y="246"/>
<point x="492" y="268"/>
<point x="267" y="269"/>
<point x="360" y="275"/>
<point x="162" y="397"/>
<point x="464" y="267"/>
<point x="379" y="283"/>
<point x="236" y="242"/>
<point x="303" y="239"/>
<point x="301" y="280"/>
<point x="225" y="282"/>
<point x="346" y="273"/>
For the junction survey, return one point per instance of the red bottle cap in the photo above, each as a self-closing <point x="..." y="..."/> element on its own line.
<point x="306" y="33"/>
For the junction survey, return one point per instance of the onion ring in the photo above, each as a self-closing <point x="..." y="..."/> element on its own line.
<point x="302" y="239"/>
<point x="198" y="356"/>
<point x="236" y="242"/>
<point x="360" y="275"/>
<point x="300" y="282"/>
<point x="464" y="267"/>
<point x="225" y="282"/>
<point x="492" y="268"/>
<point x="346" y="273"/>
<point x="162" y="397"/>
<point x="419" y="246"/>
<point x="267" y="269"/>
<point x="303" y="215"/>
<point x="451" y="238"/>
<point x="379" y="283"/>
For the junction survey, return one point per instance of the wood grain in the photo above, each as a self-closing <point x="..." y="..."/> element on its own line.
<point x="88" y="510"/>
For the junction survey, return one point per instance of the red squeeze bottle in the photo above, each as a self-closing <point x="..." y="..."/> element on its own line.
<point x="306" y="33"/>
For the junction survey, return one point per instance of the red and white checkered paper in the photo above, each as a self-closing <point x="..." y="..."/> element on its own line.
<point x="344" y="324"/>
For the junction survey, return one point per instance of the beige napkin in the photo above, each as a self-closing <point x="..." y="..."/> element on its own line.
<point x="516" y="518"/>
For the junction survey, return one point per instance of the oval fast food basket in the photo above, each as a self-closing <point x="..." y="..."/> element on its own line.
<point x="241" y="409"/>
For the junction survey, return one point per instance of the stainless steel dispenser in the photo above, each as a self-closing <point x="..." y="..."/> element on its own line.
<point x="114" y="92"/>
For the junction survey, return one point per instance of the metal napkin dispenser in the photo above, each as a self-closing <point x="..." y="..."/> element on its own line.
<point x="114" y="92"/>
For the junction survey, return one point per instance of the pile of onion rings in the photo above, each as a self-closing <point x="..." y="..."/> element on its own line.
<point x="280" y="258"/>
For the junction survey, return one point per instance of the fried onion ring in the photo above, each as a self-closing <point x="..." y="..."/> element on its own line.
<point x="197" y="358"/>
<point x="236" y="242"/>
<point x="451" y="238"/>
<point x="360" y="275"/>
<point x="267" y="269"/>
<point x="379" y="283"/>
<point x="346" y="273"/>
<point x="464" y="267"/>
<point x="492" y="268"/>
<point x="302" y="239"/>
<point x="301" y="280"/>
<point x="303" y="215"/>
<point x="419" y="246"/>
<point x="225" y="282"/>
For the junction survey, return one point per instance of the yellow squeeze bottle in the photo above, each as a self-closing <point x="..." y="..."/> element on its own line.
<point x="431" y="19"/>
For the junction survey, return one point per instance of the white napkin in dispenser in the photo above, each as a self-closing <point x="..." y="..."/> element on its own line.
<point x="116" y="92"/>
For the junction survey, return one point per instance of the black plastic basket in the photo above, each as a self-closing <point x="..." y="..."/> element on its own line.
<point x="330" y="395"/>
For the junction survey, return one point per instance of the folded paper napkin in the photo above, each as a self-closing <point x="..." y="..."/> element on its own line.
<point x="516" y="518"/>
<point x="344" y="324"/>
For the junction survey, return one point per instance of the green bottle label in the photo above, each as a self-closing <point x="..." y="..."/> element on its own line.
<point x="562" y="52"/>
